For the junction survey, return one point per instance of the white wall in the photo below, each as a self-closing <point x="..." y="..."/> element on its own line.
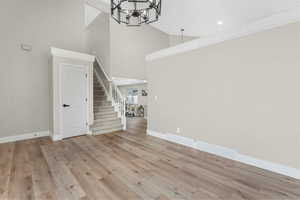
<point x="241" y="94"/>
<point x="25" y="76"/>
<point x="130" y="45"/>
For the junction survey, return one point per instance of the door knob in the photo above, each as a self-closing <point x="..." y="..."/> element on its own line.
<point x="65" y="105"/>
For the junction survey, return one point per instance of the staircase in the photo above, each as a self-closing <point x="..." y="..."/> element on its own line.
<point x="109" y="114"/>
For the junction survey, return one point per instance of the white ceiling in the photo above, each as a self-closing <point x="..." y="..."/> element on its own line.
<point x="200" y="17"/>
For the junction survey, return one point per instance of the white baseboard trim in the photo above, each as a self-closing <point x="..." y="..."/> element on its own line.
<point x="89" y="132"/>
<point x="228" y="153"/>
<point x="56" y="137"/>
<point x="26" y="136"/>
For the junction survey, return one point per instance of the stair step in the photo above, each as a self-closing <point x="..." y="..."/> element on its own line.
<point x="102" y="98"/>
<point x="107" y="130"/>
<point x="99" y="132"/>
<point x="99" y="92"/>
<point x="100" y="88"/>
<point x="109" y="123"/>
<point x="106" y="115"/>
<point x="106" y="119"/>
<point x="102" y="103"/>
<point x="97" y="106"/>
<point x="105" y="107"/>
<point x="99" y="95"/>
<point x="104" y="110"/>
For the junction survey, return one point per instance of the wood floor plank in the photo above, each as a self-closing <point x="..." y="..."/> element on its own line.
<point x="43" y="185"/>
<point x="21" y="185"/>
<point x="131" y="165"/>
<point x="66" y="184"/>
<point x="6" y="158"/>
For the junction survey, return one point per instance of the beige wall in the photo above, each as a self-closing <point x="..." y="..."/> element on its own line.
<point x="98" y="40"/>
<point x="25" y="76"/>
<point x="242" y="94"/>
<point x="130" y="45"/>
<point x="176" y="39"/>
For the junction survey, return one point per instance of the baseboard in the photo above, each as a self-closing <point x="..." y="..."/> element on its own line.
<point x="90" y="132"/>
<point x="228" y="153"/>
<point x="26" y="136"/>
<point x="56" y="137"/>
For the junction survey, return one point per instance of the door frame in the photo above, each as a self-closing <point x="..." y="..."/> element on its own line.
<point x="86" y="70"/>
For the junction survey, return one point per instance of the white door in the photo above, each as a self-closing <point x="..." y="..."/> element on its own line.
<point x="74" y="85"/>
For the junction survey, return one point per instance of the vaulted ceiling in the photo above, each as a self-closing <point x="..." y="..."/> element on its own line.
<point x="207" y="17"/>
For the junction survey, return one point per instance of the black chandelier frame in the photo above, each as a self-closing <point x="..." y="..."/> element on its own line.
<point x="147" y="15"/>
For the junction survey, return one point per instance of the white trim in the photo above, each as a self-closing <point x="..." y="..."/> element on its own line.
<point x="102" y="69"/>
<point x="102" y="84"/>
<point x="25" y="136"/>
<point x="89" y="132"/>
<point x="228" y="153"/>
<point x="215" y="149"/>
<point x="56" y="137"/>
<point x="267" y="23"/>
<point x="71" y="54"/>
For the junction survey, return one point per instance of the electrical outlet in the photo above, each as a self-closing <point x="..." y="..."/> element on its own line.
<point x="156" y="97"/>
<point x="178" y="130"/>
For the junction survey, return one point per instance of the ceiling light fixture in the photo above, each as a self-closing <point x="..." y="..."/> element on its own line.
<point x="135" y="12"/>
<point x="220" y="23"/>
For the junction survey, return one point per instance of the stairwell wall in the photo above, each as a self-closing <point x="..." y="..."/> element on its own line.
<point x="98" y="40"/>
<point x="130" y="45"/>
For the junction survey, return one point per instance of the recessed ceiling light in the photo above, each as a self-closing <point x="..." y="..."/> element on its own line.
<point x="220" y="23"/>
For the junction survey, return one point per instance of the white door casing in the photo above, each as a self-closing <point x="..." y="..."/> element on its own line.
<point x="73" y="98"/>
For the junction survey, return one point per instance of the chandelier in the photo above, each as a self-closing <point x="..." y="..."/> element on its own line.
<point x="135" y="12"/>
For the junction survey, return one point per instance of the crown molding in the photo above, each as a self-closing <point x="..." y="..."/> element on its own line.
<point x="71" y="54"/>
<point x="277" y="20"/>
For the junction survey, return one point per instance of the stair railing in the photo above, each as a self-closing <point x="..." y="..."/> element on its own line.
<point x="112" y="91"/>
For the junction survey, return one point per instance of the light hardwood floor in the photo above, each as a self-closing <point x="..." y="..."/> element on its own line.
<point x="130" y="165"/>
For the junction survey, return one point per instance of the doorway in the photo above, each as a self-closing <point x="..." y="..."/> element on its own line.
<point x="74" y="104"/>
